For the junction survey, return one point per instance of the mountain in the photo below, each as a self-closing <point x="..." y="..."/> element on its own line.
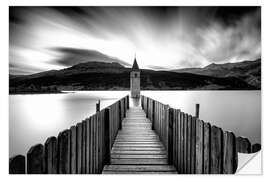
<point x="114" y="76"/>
<point x="248" y="71"/>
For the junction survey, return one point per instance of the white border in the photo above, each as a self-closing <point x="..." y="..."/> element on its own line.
<point x="4" y="71"/>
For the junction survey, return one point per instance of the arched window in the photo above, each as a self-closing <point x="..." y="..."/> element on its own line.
<point x="135" y="75"/>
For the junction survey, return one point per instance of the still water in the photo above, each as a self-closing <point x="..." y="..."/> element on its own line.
<point x="33" y="118"/>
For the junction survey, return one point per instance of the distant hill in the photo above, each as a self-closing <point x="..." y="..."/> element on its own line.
<point x="113" y="76"/>
<point x="248" y="71"/>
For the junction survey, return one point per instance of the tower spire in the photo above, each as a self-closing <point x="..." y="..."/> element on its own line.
<point x="135" y="64"/>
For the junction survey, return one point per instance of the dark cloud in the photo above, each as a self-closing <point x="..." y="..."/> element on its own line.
<point x="72" y="56"/>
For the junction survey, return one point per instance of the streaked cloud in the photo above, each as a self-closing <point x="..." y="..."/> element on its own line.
<point x="45" y="38"/>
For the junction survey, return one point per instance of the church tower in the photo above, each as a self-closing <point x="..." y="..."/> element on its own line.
<point x="135" y="80"/>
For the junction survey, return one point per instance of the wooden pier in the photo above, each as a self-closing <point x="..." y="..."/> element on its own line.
<point x="137" y="148"/>
<point x="146" y="138"/>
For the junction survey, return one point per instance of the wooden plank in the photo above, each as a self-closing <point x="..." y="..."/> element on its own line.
<point x="188" y="139"/>
<point x="87" y="147"/>
<point x="64" y="152"/>
<point x="79" y="147"/>
<point x="35" y="160"/>
<point x="178" y="128"/>
<point x="92" y="135"/>
<point x="140" y="168"/>
<point x="170" y="136"/>
<point x="230" y="154"/>
<point x="182" y="143"/>
<point x="187" y="126"/>
<point x="138" y="152"/>
<point x="50" y="156"/>
<point x="206" y="148"/>
<point x="243" y="145"/>
<point x="83" y="146"/>
<point x="139" y="161"/>
<point x="17" y="164"/>
<point x="73" y="143"/>
<point x="107" y="136"/>
<point x="138" y="156"/>
<point x="216" y="151"/>
<point x="193" y="146"/>
<point x="144" y="172"/>
<point x="199" y="146"/>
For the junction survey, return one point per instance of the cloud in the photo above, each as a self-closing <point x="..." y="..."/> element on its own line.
<point x="72" y="56"/>
<point x="166" y="37"/>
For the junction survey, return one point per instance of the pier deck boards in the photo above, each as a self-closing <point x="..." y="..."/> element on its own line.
<point x="137" y="148"/>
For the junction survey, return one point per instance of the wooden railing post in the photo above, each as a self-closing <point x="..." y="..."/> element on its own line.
<point x="197" y="113"/>
<point x="17" y="165"/>
<point x="98" y="106"/>
<point x="127" y="101"/>
<point x="170" y="135"/>
<point x="51" y="156"/>
<point x="153" y="115"/>
<point x="120" y="115"/>
<point x="35" y="159"/>
<point x="107" y="137"/>
<point x="64" y="152"/>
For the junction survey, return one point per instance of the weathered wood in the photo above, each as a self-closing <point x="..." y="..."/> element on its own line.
<point x="88" y="131"/>
<point x="197" y="113"/>
<point x="216" y="151"/>
<point x="17" y="164"/>
<point x="98" y="106"/>
<point x="193" y="146"/>
<point x="35" y="160"/>
<point x="73" y="143"/>
<point x="199" y="146"/>
<point x="187" y="143"/>
<point x="182" y="143"/>
<point x="170" y="136"/>
<point x="92" y="153"/>
<point x="153" y="115"/>
<point x="256" y="147"/>
<point x="107" y="158"/>
<point x="79" y="148"/>
<point x="50" y="156"/>
<point x="120" y="119"/>
<point x="230" y="154"/>
<point x="187" y="140"/>
<point x="243" y="145"/>
<point x="139" y="168"/>
<point x="127" y="101"/>
<point x="206" y="148"/>
<point x="83" y="146"/>
<point x="64" y="152"/>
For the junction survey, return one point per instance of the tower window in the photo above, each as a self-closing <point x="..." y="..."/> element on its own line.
<point x="135" y="75"/>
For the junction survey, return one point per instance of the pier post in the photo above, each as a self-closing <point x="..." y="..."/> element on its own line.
<point x="35" y="160"/>
<point x="170" y="134"/>
<point x="17" y="165"/>
<point x="98" y="106"/>
<point x="120" y="115"/>
<point x="197" y="113"/>
<point x="107" y="137"/>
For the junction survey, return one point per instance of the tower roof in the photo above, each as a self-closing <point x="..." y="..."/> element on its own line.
<point x="135" y="65"/>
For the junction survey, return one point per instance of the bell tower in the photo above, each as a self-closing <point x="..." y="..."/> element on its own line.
<point x="135" y="80"/>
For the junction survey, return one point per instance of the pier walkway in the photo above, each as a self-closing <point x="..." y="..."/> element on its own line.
<point x="137" y="148"/>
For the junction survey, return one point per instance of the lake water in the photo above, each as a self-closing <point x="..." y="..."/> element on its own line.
<point x="33" y="118"/>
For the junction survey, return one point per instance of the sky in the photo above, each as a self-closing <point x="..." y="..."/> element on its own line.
<point x="47" y="38"/>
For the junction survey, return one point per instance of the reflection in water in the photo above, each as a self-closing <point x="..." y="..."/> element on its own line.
<point x="33" y="118"/>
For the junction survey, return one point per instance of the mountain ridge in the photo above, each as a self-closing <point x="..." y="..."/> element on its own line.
<point x="114" y="76"/>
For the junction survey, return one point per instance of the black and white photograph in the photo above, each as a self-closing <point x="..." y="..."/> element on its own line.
<point x="134" y="90"/>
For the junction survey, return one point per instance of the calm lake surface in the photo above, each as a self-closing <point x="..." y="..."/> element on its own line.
<point x="33" y="118"/>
